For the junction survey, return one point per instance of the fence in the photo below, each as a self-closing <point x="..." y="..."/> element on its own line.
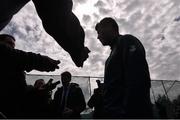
<point x="169" y="88"/>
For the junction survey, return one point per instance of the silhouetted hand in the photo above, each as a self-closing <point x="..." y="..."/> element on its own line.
<point x="50" y="81"/>
<point x="49" y="86"/>
<point x="83" y="57"/>
<point x="48" y="64"/>
<point x="52" y="86"/>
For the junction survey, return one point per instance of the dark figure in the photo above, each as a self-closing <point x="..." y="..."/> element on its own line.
<point x="69" y="99"/>
<point x="161" y="110"/>
<point x="38" y="102"/>
<point x="96" y="101"/>
<point x="58" y="20"/>
<point x="127" y="79"/>
<point x="176" y="103"/>
<point x="13" y="63"/>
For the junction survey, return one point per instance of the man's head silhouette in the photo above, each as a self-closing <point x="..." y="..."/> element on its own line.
<point x="65" y="78"/>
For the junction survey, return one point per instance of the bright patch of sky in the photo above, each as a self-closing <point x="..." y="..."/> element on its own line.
<point x="84" y="8"/>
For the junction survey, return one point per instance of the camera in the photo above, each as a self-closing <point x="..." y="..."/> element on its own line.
<point x="49" y="86"/>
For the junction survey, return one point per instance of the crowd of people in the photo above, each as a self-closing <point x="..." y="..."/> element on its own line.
<point x="125" y="92"/>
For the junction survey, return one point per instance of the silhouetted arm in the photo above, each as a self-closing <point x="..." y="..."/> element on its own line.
<point x="60" y="22"/>
<point x="8" y="9"/>
<point x="56" y="103"/>
<point x="80" y="101"/>
<point x="20" y="60"/>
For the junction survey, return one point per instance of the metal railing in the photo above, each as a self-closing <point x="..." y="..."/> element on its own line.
<point x="169" y="88"/>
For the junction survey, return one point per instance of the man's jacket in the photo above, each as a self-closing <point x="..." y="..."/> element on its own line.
<point x="127" y="80"/>
<point x="75" y="100"/>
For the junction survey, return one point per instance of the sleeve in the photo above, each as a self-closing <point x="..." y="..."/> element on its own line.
<point x="62" y="24"/>
<point x="8" y="9"/>
<point x="132" y="71"/>
<point x="21" y="60"/>
<point x="81" y="103"/>
<point x="56" y="101"/>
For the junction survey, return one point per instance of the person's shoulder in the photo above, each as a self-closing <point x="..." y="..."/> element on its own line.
<point x="130" y="39"/>
<point x="128" y="36"/>
<point x="74" y="85"/>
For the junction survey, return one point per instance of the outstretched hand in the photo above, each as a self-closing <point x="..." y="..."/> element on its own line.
<point x="49" y="86"/>
<point x="53" y="65"/>
<point x="49" y="64"/>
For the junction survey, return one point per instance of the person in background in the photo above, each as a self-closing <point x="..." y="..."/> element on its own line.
<point x="96" y="101"/>
<point x="38" y="100"/>
<point x="126" y="78"/>
<point x="69" y="99"/>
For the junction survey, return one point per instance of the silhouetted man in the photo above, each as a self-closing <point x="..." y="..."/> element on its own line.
<point x="69" y="99"/>
<point x="96" y="101"/>
<point x="126" y="78"/>
<point x="58" y="20"/>
<point x="38" y="100"/>
<point x="13" y="63"/>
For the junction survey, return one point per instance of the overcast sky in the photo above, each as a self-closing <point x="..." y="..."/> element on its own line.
<point x="155" y="22"/>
